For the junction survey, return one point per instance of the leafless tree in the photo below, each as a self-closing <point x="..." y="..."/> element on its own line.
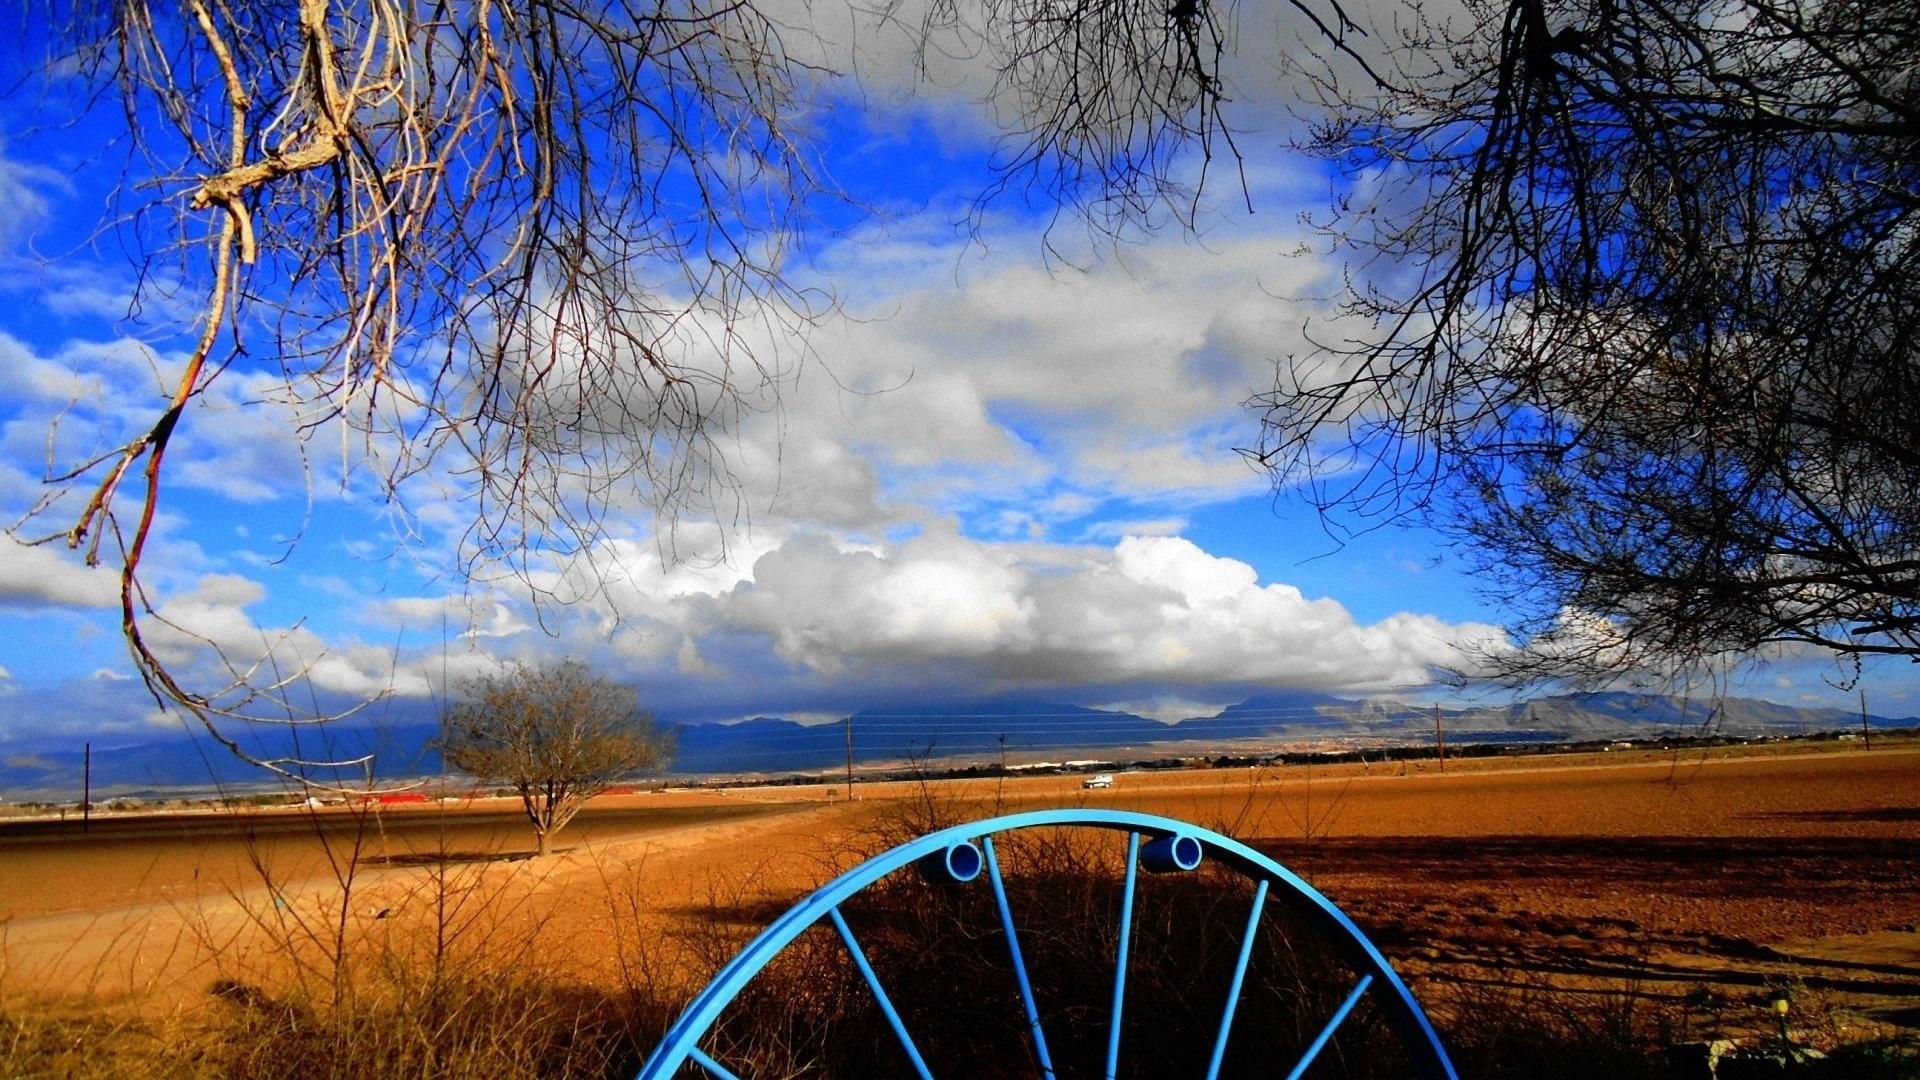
<point x="1633" y="314"/>
<point x="517" y="247"/>
<point x="521" y="248"/>
<point x="1111" y="111"/>
<point x="556" y="733"/>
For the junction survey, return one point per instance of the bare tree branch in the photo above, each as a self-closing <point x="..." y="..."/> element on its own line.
<point x="1634" y="310"/>
<point x="520" y="248"/>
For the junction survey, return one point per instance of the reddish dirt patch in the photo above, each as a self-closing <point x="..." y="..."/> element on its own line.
<point x="1704" y="886"/>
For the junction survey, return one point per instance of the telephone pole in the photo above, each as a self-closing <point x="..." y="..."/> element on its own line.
<point x="849" y="758"/>
<point x="1866" y="733"/>
<point x="1439" y="738"/>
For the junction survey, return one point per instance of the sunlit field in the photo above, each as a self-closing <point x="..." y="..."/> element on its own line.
<point x="1661" y="897"/>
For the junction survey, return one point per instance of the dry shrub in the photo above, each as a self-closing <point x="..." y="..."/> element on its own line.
<point x="1532" y="1029"/>
<point x="508" y="1025"/>
<point x="433" y="966"/>
<point x="1895" y="1057"/>
<point x="944" y="961"/>
<point x="44" y="1041"/>
<point x="444" y="970"/>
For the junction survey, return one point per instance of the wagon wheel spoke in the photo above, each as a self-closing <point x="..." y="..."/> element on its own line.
<point x="1019" y="962"/>
<point x="1239" y="979"/>
<point x="1120" y="962"/>
<point x="880" y="995"/>
<point x="714" y="1068"/>
<point x="1326" y="1033"/>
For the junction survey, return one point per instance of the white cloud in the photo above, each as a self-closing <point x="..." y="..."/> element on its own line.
<point x="1152" y="610"/>
<point x="936" y="596"/>
<point x="817" y="622"/>
<point x="77" y="291"/>
<point x="967" y="385"/>
<point x="1179" y="567"/>
<point x="210" y="640"/>
<point x="472" y="615"/>
<point x="1116" y="530"/>
<point x="32" y="575"/>
<point x="91" y="396"/>
<point x="1165" y="708"/>
<point x="987" y="389"/>
<point x="24" y="206"/>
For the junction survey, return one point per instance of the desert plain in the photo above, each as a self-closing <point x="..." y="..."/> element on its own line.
<point x="1701" y="880"/>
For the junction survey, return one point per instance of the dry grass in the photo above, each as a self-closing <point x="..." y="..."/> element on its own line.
<point x="457" y="975"/>
<point x="463" y="963"/>
<point x="445" y="973"/>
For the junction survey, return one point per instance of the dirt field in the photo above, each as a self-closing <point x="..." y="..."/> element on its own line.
<point x="1700" y="877"/>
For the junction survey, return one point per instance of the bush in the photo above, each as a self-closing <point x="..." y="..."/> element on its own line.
<point x="944" y="961"/>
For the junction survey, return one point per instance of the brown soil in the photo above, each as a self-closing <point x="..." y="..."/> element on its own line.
<point x="1696" y="878"/>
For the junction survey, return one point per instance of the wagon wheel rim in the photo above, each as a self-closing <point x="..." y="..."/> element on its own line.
<point x="963" y="852"/>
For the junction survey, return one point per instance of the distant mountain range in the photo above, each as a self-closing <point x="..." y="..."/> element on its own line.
<point x="1018" y="731"/>
<point x="987" y="731"/>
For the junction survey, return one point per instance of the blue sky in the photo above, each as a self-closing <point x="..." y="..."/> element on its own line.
<point x="996" y="472"/>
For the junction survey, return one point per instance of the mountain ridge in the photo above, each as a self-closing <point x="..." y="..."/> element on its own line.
<point x="1000" y="730"/>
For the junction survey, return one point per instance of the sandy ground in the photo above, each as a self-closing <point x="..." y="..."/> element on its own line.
<point x="1703" y="876"/>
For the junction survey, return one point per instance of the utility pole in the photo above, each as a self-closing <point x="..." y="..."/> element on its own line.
<point x="1439" y="738"/>
<point x="849" y="758"/>
<point x="86" y="787"/>
<point x="1866" y="733"/>
<point x="1003" y="753"/>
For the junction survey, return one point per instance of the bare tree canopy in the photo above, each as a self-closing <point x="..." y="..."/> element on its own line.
<point x="1634" y="313"/>
<point x="530" y="254"/>
<point x="508" y="247"/>
<point x="556" y="733"/>
<point x="1111" y="111"/>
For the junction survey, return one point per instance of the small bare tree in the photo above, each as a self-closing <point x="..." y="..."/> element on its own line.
<point x="556" y="732"/>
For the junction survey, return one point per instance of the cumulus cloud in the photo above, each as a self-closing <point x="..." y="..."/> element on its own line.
<point x="1020" y="400"/>
<point x="815" y="622"/>
<point x="88" y="397"/>
<point x="1151" y="610"/>
<point x="209" y="638"/>
<point x="32" y="576"/>
<point x="1117" y="530"/>
<point x="939" y="596"/>
<point x="475" y="616"/>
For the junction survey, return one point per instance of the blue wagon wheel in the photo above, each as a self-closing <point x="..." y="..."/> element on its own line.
<point x="1017" y="1020"/>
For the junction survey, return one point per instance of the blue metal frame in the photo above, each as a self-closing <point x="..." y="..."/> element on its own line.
<point x="1034" y="1029"/>
<point x="1170" y="846"/>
